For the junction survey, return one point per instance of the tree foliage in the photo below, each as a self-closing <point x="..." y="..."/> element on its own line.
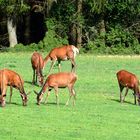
<point x="104" y="24"/>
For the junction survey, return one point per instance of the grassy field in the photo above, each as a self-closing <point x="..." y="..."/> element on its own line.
<point x="98" y="114"/>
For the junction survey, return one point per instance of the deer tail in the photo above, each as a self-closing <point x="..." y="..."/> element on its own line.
<point x="75" y="50"/>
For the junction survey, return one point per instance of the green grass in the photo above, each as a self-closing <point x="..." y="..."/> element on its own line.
<point x="98" y="114"/>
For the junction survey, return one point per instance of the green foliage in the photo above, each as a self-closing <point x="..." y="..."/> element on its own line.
<point x="97" y="6"/>
<point x="13" y="7"/>
<point x="52" y="39"/>
<point x="118" y="37"/>
<point x="117" y="41"/>
<point x="123" y="12"/>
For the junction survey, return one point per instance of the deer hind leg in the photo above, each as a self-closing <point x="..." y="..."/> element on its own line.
<point x="74" y="95"/>
<point x="33" y="81"/>
<point x="135" y="99"/>
<point x="11" y="89"/>
<point x="73" y="65"/>
<point x="36" y="76"/>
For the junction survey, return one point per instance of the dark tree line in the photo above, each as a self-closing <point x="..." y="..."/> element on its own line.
<point x="88" y="24"/>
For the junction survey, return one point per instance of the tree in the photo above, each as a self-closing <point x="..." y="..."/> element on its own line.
<point x="99" y="7"/>
<point x="13" y="10"/>
<point x="79" y="25"/>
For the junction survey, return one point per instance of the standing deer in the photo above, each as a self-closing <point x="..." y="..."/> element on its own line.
<point x="130" y="81"/>
<point x="66" y="52"/>
<point x="58" y="80"/>
<point x="37" y="65"/>
<point x="12" y="79"/>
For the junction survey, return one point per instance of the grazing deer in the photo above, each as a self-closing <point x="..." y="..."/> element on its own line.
<point x="37" y="65"/>
<point x="66" y="52"/>
<point x="130" y="81"/>
<point x="12" y="79"/>
<point x="58" y="80"/>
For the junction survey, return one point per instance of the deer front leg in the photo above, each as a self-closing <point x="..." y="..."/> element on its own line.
<point x="56" y="95"/>
<point x="52" y="65"/>
<point x="121" y="89"/>
<point x="70" y="92"/>
<point x="48" y="94"/>
<point x="3" y="102"/>
<point x="11" y="89"/>
<point x="125" y="94"/>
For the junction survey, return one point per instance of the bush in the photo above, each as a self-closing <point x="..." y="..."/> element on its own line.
<point x="116" y="41"/>
<point x="52" y="39"/>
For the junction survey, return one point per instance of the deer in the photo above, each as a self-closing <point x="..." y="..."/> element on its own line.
<point x="129" y="81"/>
<point x="65" y="52"/>
<point x="55" y="81"/>
<point x="14" y="80"/>
<point x="37" y="62"/>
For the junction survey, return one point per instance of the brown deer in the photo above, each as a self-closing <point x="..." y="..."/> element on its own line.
<point x="12" y="79"/>
<point x="37" y="65"/>
<point x="58" y="80"/>
<point x="66" y="52"/>
<point x="130" y="81"/>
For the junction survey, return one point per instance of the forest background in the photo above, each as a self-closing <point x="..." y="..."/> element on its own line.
<point x="94" y="26"/>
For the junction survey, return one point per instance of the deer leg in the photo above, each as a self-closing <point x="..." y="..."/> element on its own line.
<point x="72" y="65"/>
<point x="36" y="77"/>
<point x="52" y="65"/>
<point x="125" y="94"/>
<point x="11" y="89"/>
<point x="70" y="92"/>
<point x="33" y="81"/>
<point x="56" y="95"/>
<point x="121" y="89"/>
<point x="48" y="94"/>
<point x="59" y="66"/>
<point x="135" y="99"/>
<point x="74" y="95"/>
<point x="3" y="95"/>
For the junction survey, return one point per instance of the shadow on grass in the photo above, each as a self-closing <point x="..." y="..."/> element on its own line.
<point x="52" y="103"/>
<point x="116" y="100"/>
<point x="13" y="103"/>
<point x="29" y="82"/>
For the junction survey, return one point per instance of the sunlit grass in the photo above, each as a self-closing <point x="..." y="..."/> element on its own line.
<point x="97" y="115"/>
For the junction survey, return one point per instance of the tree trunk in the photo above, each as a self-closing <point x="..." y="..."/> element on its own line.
<point x="72" y="34"/>
<point x="11" y="32"/>
<point x="79" y="27"/>
<point x="27" y="29"/>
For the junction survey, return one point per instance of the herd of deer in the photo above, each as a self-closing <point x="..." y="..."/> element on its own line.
<point x="58" y="80"/>
<point x="53" y="81"/>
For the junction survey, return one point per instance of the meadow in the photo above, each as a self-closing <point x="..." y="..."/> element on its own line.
<point x="98" y="114"/>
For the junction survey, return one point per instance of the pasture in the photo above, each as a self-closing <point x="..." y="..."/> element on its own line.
<point x="98" y="114"/>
